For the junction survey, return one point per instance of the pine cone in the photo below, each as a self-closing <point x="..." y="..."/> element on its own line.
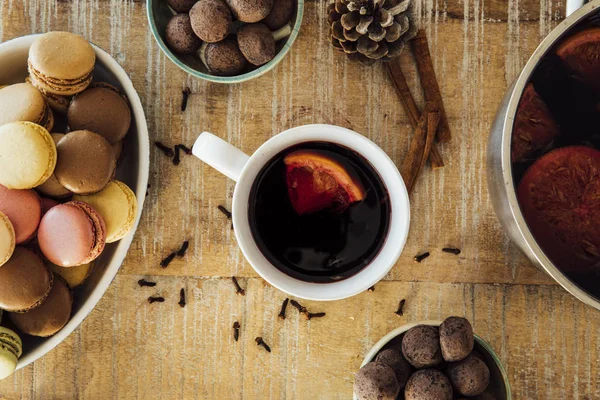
<point x="370" y="30"/>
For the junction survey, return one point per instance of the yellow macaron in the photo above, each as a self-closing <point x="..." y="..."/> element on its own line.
<point x="74" y="276"/>
<point x="61" y="63"/>
<point x="7" y="239"/>
<point x="27" y="155"/>
<point x="118" y="206"/>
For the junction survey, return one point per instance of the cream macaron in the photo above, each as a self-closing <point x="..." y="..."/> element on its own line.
<point x="27" y="155"/>
<point x="118" y="206"/>
<point x="23" y="102"/>
<point x="61" y="63"/>
<point x="7" y="239"/>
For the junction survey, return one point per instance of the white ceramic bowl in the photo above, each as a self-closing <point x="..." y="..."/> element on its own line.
<point x="499" y="384"/>
<point x="132" y="169"/>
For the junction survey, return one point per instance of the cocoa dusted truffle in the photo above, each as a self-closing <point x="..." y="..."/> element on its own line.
<point x="179" y="35"/>
<point x="211" y="20"/>
<point x="376" y="381"/>
<point x="428" y="384"/>
<point x="421" y="346"/>
<point x="470" y="376"/>
<point x="250" y="10"/>
<point x="181" y="6"/>
<point x="223" y="58"/>
<point x="257" y="42"/>
<point x="396" y="360"/>
<point x="456" y="339"/>
<point x="280" y="14"/>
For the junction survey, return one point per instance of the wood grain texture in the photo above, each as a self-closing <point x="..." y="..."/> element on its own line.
<point x="127" y="348"/>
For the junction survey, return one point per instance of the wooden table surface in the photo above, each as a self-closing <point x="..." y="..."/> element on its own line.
<point x="126" y="348"/>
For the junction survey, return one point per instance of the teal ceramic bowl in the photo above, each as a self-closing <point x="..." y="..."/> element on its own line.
<point x="159" y="15"/>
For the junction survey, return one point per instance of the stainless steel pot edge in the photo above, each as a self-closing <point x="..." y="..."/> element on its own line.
<point x="499" y="167"/>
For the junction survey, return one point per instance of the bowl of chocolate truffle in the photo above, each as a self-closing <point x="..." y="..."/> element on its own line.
<point x="225" y="41"/>
<point x="430" y="360"/>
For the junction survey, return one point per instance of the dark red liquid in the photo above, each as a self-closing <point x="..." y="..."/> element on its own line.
<point x="325" y="246"/>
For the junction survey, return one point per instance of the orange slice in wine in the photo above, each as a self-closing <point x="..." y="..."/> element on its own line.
<point x="317" y="182"/>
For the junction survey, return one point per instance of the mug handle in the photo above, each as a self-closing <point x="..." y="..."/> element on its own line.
<point x="574" y="5"/>
<point x="220" y="155"/>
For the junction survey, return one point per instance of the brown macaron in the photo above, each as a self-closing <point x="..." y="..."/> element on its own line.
<point x="71" y="234"/>
<point x="101" y="110"/>
<point x="51" y="316"/>
<point x="86" y="162"/>
<point x="25" y="281"/>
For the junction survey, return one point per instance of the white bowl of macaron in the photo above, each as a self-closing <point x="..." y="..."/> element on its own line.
<point x="74" y="159"/>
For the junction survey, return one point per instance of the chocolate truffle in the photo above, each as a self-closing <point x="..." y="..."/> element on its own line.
<point x="181" y="6"/>
<point x="180" y="36"/>
<point x="470" y="376"/>
<point x="428" y="384"/>
<point x="456" y="339"/>
<point x="223" y="58"/>
<point x="250" y="10"/>
<point x="211" y="20"/>
<point x="376" y="381"/>
<point x="256" y="43"/>
<point x="280" y="14"/>
<point x="421" y="346"/>
<point x="396" y="360"/>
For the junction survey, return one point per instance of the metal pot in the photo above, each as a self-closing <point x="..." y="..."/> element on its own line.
<point x="499" y="167"/>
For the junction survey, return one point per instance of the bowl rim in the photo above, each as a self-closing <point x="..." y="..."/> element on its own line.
<point x="404" y="328"/>
<point x="516" y="93"/>
<point x="226" y="79"/>
<point x="124" y="244"/>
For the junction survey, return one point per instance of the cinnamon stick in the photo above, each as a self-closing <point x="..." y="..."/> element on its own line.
<point x="420" y="145"/>
<point x="431" y="88"/>
<point x="411" y="109"/>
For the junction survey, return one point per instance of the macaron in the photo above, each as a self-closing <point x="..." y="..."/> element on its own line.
<point x="11" y="348"/>
<point x="102" y="110"/>
<point x="58" y="103"/>
<point x="118" y="206"/>
<point x="48" y="204"/>
<point x="23" y="102"/>
<point x="23" y="208"/>
<point x="61" y="63"/>
<point x="74" y="276"/>
<point x="51" y="316"/>
<point x="86" y="162"/>
<point x="72" y="234"/>
<point x="27" y="155"/>
<point x="25" y="281"/>
<point x="52" y="187"/>
<point x="7" y="240"/>
<point x="118" y="149"/>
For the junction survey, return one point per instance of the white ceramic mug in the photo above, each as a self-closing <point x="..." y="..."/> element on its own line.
<point x="244" y="169"/>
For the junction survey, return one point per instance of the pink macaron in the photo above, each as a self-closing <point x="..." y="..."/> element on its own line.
<point x="24" y="210"/>
<point x="72" y="234"/>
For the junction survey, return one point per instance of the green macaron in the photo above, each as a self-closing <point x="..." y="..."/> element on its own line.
<point x="11" y="349"/>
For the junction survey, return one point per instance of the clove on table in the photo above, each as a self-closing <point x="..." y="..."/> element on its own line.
<point x="156" y="299"/>
<point x="420" y="257"/>
<point x="236" y="331"/>
<point x="182" y="298"/>
<point x="400" y="311"/>
<point x="260" y="342"/>
<point x="144" y="283"/>
<point x="238" y="288"/>
<point x="283" y="309"/>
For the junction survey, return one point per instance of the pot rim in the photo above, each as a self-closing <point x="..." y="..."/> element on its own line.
<point x="547" y="44"/>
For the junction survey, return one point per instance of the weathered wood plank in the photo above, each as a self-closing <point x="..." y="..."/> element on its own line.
<point x="128" y="348"/>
